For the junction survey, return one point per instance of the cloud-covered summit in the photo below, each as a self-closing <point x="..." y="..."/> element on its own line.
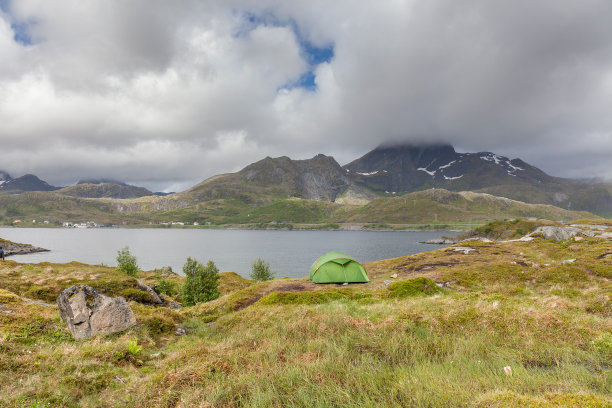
<point x="164" y="94"/>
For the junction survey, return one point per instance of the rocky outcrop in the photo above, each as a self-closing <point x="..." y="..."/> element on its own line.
<point x="14" y="248"/>
<point x="89" y="313"/>
<point x="154" y="296"/>
<point x="557" y="233"/>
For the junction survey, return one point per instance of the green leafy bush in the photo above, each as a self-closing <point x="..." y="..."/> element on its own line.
<point x="201" y="282"/>
<point x="413" y="287"/>
<point x="261" y="271"/>
<point x="167" y="287"/>
<point x="126" y="262"/>
<point x="133" y="348"/>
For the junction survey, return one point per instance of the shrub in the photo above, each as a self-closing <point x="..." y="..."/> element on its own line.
<point x="201" y="282"/>
<point x="413" y="287"/>
<point x="126" y="262"/>
<point x="166" y="287"/>
<point x="133" y="348"/>
<point x="261" y="271"/>
<point x="137" y="295"/>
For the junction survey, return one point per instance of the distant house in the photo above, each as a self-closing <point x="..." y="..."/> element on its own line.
<point x="196" y="223"/>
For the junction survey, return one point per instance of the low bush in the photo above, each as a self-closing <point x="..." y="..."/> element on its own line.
<point x="137" y="295"/>
<point x="261" y="271"/>
<point x="126" y="262"/>
<point x="414" y="287"/>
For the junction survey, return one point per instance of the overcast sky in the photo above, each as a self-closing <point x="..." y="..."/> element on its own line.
<point x="166" y="93"/>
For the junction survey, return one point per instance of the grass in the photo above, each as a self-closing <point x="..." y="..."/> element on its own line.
<point x="292" y="343"/>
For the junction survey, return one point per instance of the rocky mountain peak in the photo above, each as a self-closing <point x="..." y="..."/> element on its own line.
<point x="28" y="182"/>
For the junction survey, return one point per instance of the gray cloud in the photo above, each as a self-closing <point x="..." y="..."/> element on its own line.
<point x="166" y="94"/>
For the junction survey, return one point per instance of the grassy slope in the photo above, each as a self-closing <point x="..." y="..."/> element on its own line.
<point x="224" y="200"/>
<point x="289" y="342"/>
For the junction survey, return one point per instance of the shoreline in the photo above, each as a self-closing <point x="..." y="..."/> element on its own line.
<point x="286" y="227"/>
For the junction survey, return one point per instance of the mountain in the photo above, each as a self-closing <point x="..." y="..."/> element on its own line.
<point x="407" y="168"/>
<point x="29" y="182"/>
<point x="104" y="189"/>
<point x="411" y="184"/>
<point x="4" y="177"/>
<point x="100" y="181"/>
<point x="320" y="178"/>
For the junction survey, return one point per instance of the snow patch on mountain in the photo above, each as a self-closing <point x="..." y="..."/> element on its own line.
<point x="502" y="161"/>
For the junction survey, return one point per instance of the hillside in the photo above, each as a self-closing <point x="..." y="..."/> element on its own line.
<point x="425" y="207"/>
<point x="375" y="188"/>
<point x="105" y="190"/>
<point x="505" y="324"/>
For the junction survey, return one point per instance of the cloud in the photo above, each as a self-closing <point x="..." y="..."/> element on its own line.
<point x="165" y="94"/>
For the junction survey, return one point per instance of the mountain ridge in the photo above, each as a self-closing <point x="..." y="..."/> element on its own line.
<point x="386" y="171"/>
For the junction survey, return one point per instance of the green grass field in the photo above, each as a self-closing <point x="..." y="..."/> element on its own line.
<point x="292" y="343"/>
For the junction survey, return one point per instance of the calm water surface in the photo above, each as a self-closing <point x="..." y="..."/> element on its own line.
<point x="290" y="253"/>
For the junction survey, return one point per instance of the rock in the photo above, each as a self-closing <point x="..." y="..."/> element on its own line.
<point x="89" y="313"/>
<point x="180" y="331"/>
<point x="14" y="248"/>
<point x="568" y="261"/>
<point x="465" y="250"/>
<point x="394" y="276"/>
<point x="388" y="282"/>
<point x="174" y="305"/>
<point x="439" y="241"/>
<point x="167" y="270"/>
<point x="595" y="227"/>
<point x="145" y="288"/>
<point x="557" y="233"/>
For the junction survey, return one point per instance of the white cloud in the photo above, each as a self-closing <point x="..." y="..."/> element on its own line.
<point x="167" y="93"/>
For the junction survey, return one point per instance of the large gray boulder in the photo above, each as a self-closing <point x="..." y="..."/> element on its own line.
<point x="557" y="233"/>
<point x="88" y="312"/>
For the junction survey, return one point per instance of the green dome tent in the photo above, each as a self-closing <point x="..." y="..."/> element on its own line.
<point x="336" y="267"/>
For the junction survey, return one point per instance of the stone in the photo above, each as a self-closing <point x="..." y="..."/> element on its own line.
<point x="167" y="270"/>
<point x="174" y="305"/>
<point x="145" y="288"/>
<point x="180" y="331"/>
<point x="394" y="276"/>
<point x="88" y="312"/>
<point x="557" y="233"/>
<point x="465" y="250"/>
<point x="439" y="241"/>
<point x="569" y="261"/>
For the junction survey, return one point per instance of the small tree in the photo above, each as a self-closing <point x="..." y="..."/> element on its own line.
<point x="127" y="262"/>
<point x="201" y="282"/>
<point x="261" y="271"/>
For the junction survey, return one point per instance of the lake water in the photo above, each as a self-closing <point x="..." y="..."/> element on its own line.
<point x="290" y="253"/>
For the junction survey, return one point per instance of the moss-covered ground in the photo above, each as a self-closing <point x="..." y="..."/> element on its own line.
<point x="434" y="329"/>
